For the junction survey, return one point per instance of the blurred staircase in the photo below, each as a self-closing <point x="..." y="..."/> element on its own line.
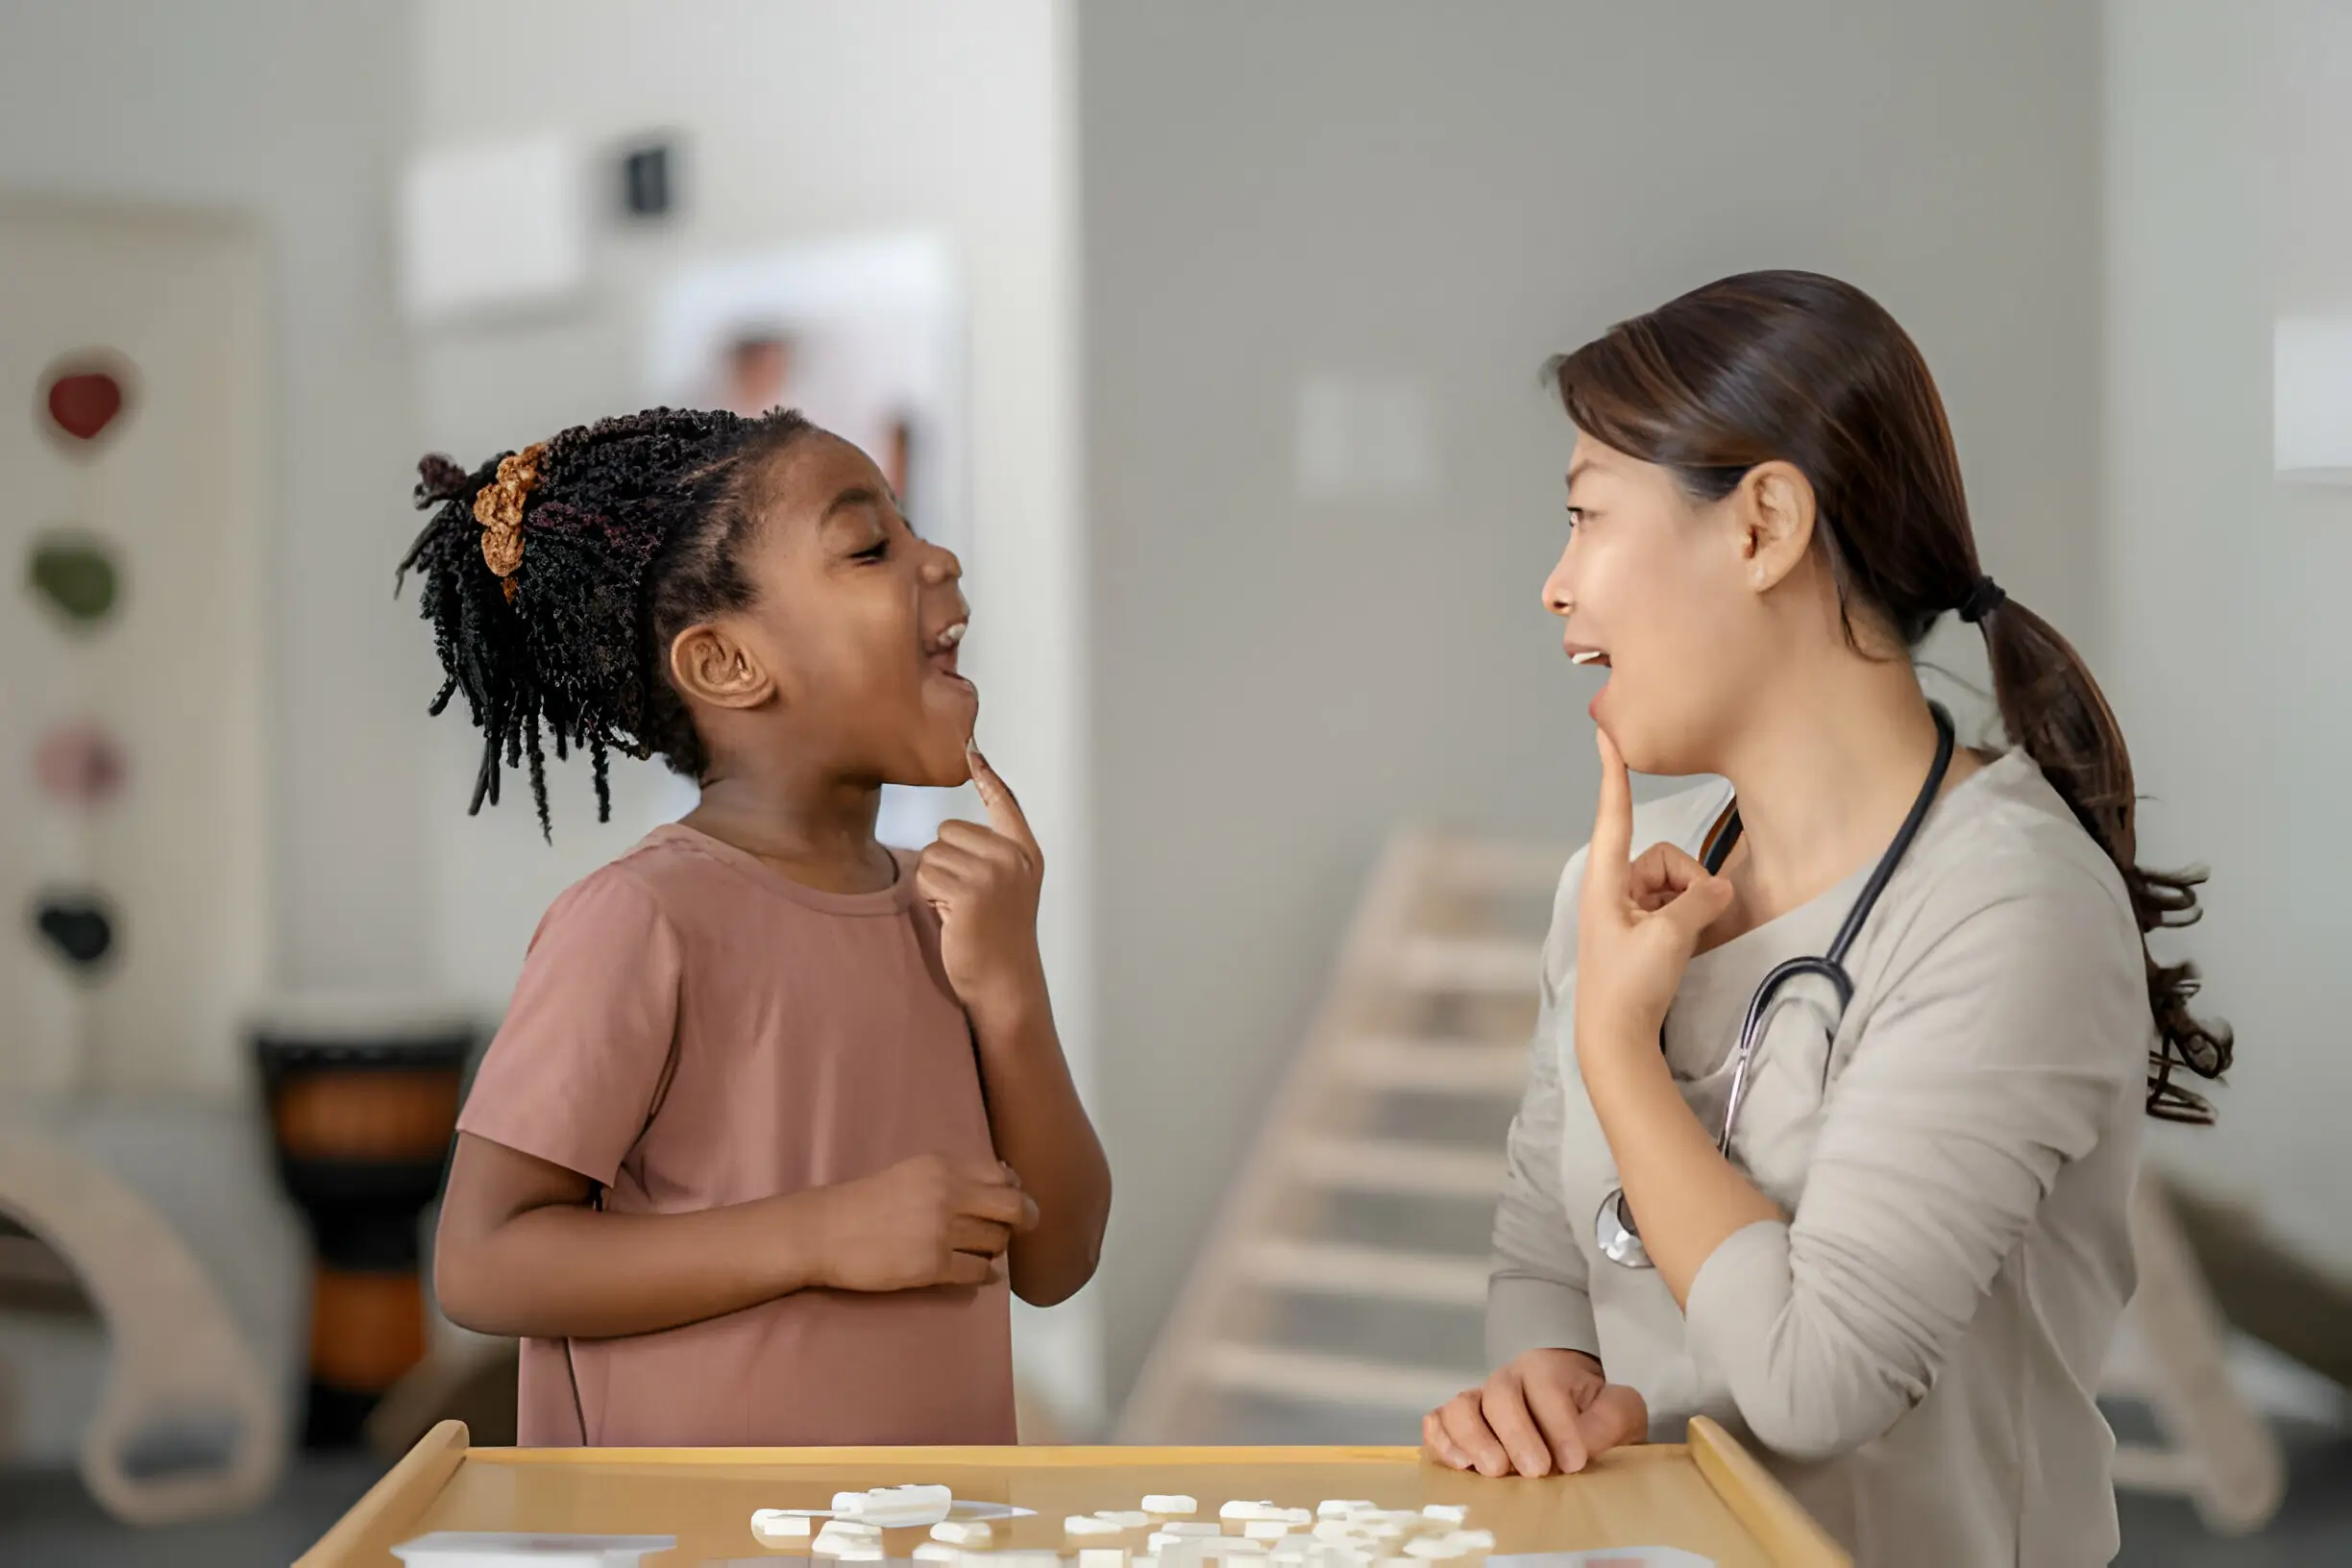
<point x="1342" y="1289"/>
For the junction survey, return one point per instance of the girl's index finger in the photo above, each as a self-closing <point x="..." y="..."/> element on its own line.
<point x="1004" y="812"/>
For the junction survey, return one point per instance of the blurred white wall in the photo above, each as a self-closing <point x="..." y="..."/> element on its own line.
<point x="295" y="114"/>
<point x="1438" y="197"/>
<point x="798" y="120"/>
<point x="2229" y="148"/>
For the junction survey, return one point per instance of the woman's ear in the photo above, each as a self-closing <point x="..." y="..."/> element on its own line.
<point x="1775" y="510"/>
<point x="709" y="666"/>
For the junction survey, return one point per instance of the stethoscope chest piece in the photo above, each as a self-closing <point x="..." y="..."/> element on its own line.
<point x="1614" y="1235"/>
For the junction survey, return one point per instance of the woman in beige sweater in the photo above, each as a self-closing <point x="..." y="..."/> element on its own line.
<point x="1902" y="1280"/>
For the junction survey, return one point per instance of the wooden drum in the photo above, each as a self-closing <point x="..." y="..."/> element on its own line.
<point x="362" y="1123"/>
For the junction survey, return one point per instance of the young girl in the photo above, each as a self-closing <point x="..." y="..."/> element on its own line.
<point x="778" y="1117"/>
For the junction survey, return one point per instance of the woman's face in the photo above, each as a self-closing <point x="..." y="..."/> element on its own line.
<point x="1656" y="591"/>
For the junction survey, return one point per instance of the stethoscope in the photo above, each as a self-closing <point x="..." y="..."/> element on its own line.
<point x="1620" y="1241"/>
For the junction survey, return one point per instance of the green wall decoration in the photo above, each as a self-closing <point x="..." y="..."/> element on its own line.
<point x="76" y="574"/>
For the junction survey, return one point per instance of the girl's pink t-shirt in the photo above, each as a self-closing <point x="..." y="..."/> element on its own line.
<point x="693" y="1029"/>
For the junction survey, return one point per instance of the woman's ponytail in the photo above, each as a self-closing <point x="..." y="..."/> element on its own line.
<point x="2051" y="706"/>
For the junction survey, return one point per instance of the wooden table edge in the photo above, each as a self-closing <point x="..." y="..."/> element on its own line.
<point x="1788" y="1534"/>
<point x="400" y="1497"/>
<point x="1008" y="1458"/>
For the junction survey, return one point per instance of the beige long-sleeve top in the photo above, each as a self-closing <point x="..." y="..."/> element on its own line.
<point x="1916" y="1349"/>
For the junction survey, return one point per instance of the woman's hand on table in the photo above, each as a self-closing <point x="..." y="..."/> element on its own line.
<point x="1545" y="1411"/>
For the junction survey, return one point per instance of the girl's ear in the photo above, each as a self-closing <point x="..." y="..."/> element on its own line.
<point x="710" y="666"/>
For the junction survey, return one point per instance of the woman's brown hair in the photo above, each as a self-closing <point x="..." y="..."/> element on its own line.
<point x="1809" y="370"/>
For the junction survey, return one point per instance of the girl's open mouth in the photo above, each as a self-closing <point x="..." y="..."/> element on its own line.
<point x="939" y="652"/>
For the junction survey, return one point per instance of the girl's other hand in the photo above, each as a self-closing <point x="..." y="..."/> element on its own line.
<point x="923" y="1221"/>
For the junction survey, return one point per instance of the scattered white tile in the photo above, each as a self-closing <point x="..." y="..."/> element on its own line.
<point x="1202" y="1528"/>
<point x="964" y="1532"/>
<point x="1172" y="1537"/>
<point x="774" y="1526"/>
<point x="1171" y="1504"/>
<point x="1266" y="1530"/>
<point x="1342" y="1508"/>
<point x="1238" y="1511"/>
<point x="938" y="1551"/>
<point x="841" y="1536"/>
<point x="895" y="1508"/>
<point x="1103" y="1557"/>
<point x="1125" y="1519"/>
<point x="1454" y="1543"/>
<point x="1087" y="1524"/>
<point x="1446" y="1513"/>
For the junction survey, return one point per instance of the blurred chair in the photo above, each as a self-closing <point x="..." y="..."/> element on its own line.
<point x="188" y="1427"/>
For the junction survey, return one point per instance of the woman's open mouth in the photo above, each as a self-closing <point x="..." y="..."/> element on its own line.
<point x="1580" y="653"/>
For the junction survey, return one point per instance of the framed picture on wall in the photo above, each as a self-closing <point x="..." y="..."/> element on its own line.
<point x="865" y="338"/>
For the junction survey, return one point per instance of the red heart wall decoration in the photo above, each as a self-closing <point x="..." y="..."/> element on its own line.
<point x="84" y="399"/>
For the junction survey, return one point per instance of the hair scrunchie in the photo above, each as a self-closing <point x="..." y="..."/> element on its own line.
<point x="499" y="510"/>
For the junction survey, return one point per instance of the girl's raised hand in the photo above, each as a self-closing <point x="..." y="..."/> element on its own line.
<point x="984" y="882"/>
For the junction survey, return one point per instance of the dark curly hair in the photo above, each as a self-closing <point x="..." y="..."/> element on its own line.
<point x="631" y="532"/>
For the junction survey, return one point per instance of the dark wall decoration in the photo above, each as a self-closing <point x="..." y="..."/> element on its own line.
<point x="78" y="926"/>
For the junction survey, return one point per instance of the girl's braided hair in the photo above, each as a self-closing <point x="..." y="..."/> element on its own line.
<point x="557" y="577"/>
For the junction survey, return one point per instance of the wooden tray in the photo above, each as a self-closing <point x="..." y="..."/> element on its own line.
<point x="1707" y="1496"/>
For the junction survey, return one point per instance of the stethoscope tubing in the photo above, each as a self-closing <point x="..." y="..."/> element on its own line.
<point x="1616" y="1233"/>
